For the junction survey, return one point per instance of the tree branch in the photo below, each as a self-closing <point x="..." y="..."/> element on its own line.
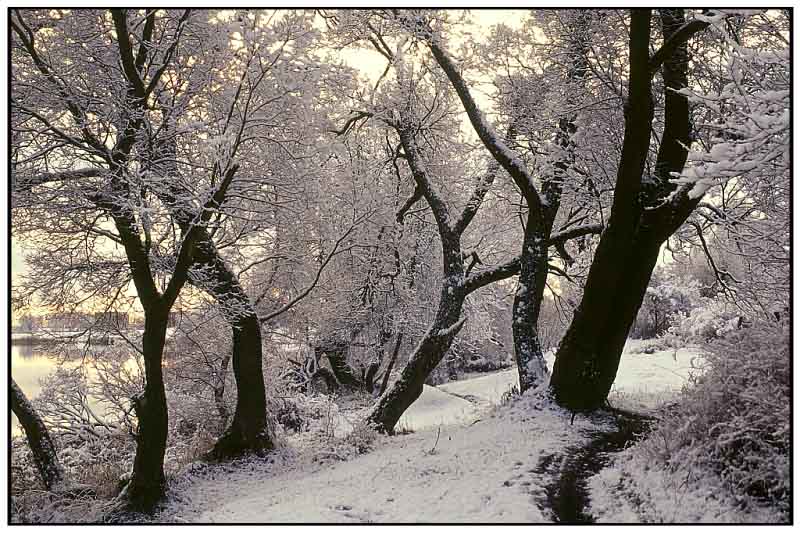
<point x="572" y="233"/>
<point x="311" y="286"/>
<point x="504" y="156"/>
<point x="413" y="199"/>
<point x="120" y="17"/>
<point x="495" y="274"/>
<point x="680" y="37"/>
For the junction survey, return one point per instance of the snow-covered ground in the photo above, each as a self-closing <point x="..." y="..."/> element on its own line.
<point x="482" y="472"/>
<point x="468" y="459"/>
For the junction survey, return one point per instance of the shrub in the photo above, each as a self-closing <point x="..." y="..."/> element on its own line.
<point x="735" y="417"/>
<point x="710" y="320"/>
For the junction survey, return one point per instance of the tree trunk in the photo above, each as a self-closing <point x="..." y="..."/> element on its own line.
<point x="534" y="255"/>
<point x="528" y="300"/>
<point x="588" y="356"/>
<point x="219" y="394"/>
<point x="336" y="352"/>
<point x="433" y="345"/>
<point x="392" y="360"/>
<point x="249" y="429"/>
<point x="146" y="486"/>
<point x="42" y="447"/>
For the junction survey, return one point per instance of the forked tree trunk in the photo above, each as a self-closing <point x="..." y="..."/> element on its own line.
<point x="589" y="354"/>
<point x="146" y="486"/>
<point x="44" y="451"/>
<point x="248" y="430"/>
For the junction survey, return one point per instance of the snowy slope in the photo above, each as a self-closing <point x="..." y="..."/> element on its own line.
<point x="489" y="389"/>
<point x="435" y="408"/>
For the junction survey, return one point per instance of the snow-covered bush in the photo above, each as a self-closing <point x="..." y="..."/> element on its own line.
<point x="669" y="295"/>
<point x="735" y="417"/>
<point x="712" y="319"/>
<point x="298" y="411"/>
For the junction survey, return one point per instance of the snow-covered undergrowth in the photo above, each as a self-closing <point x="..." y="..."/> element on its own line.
<point x="721" y="453"/>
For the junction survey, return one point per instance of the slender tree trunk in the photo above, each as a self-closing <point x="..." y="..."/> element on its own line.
<point x="146" y="486"/>
<point x="528" y="300"/>
<point x="42" y="446"/>
<point x="433" y="345"/>
<point x="534" y="255"/>
<point x="390" y="366"/>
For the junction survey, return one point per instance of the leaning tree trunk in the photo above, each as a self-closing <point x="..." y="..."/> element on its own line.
<point x="433" y="345"/>
<point x="42" y="447"/>
<point x="146" y="486"/>
<point x="336" y="352"/>
<point x="390" y="366"/>
<point x="248" y="430"/>
<point x="589" y="354"/>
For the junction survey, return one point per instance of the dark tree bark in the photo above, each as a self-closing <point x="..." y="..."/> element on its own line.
<point x="146" y="485"/>
<point x="327" y="377"/>
<point x="248" y="430"/>
<point x="447" y="322"/>
<point x="641" y="220"/>
<point x="39" y="440"/>
<point x="117" y="199"/>
<point x="390" y="366"/>
<point x="336" y="352"/>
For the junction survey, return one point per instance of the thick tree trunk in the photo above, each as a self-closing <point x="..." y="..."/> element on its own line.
<point x="248" y="430"/>
<point x="42" y="447"/>
<point x="588" y="356"/>
<point x="146" y="486"/>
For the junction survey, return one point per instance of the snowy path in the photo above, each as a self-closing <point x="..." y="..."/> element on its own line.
<point x="484" y="472"/>
<point x="485" y="467"/>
